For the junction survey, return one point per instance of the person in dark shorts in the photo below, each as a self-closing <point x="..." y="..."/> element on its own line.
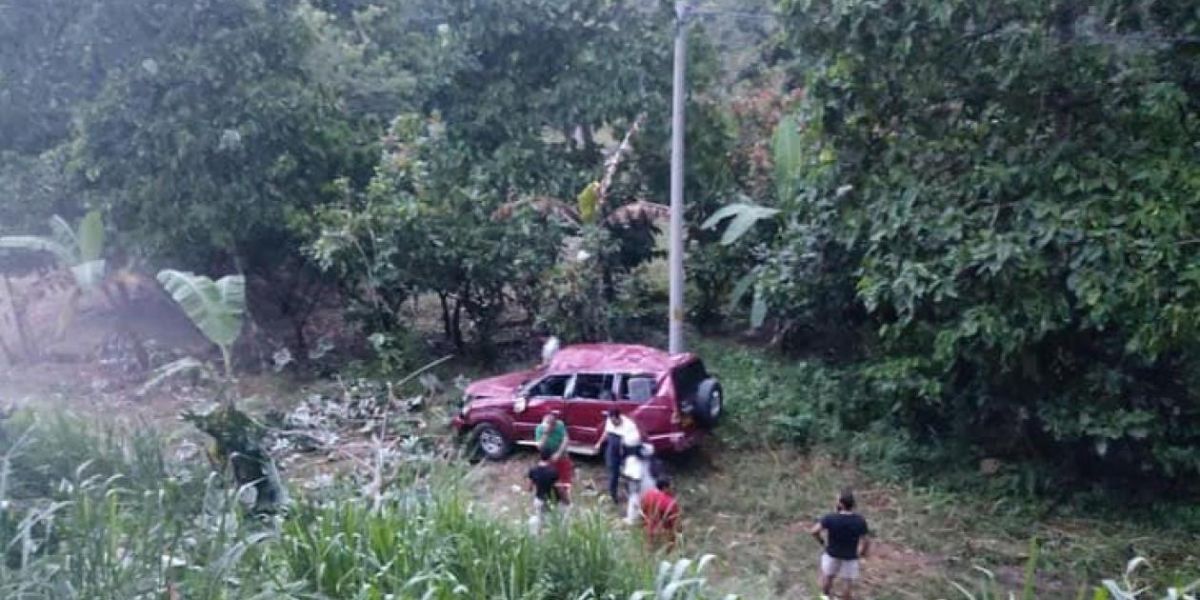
<point x="845" y="537"/>
<point x="543" y="480"/>
<point x="551" y="434"/>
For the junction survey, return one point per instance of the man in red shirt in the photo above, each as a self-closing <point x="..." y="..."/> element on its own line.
<point x="660" y="513"/>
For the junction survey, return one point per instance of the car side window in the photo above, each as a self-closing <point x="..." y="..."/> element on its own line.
<point x="591" y="386"/>
<point x="554" y="386"/>
<point x="636" y="388"/>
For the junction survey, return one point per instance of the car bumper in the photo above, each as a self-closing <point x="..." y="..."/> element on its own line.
<point x="677" y="441"/>
<point x="458" y="423"/>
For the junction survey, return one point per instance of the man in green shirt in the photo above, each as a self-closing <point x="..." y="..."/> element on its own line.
<point x="551" y="438"/>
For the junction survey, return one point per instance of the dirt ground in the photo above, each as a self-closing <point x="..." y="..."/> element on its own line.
<point x="762" y="553"/>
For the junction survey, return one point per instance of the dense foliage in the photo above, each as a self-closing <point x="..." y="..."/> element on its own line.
<point x="986" y="209"/>
<point x="424" y="226"/>
<point x="1008" y="188"/>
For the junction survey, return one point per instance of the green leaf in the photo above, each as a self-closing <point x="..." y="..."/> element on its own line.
<point x="786" y="154"/>
<point x="1031" y="571"/>
<point x="64" y="234"/>
<point x="758" y="309"/>
<point x="740" y="289"/>
<point x="742" y="215"/>
<point x="33" y="243"/>
<point x="216" y="308"/>
<point x="174" y="369"/>
<point x="90" y="237"/>
<point x="589" y="202"/>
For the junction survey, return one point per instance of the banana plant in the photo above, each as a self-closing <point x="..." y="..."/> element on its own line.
<point x="216" y="308"/>
<point x="79" y="249"/>
<point x="742" y="216"/>
<point x="681" y="580"/>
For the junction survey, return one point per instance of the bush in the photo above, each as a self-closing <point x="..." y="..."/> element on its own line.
<point x="1007" y="212"/>
<point x="801" y="402"/>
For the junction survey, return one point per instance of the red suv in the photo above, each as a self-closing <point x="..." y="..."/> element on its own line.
<point x="672" y="398"/>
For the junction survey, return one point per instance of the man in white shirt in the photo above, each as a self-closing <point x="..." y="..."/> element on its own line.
<point x="623" y="438"/>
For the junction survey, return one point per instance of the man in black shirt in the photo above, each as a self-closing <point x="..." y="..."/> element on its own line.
<point x="542" y="480"/>
<point x="845" y="540"/>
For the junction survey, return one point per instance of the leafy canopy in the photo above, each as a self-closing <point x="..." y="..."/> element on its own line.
<point x="1010" y="189"/>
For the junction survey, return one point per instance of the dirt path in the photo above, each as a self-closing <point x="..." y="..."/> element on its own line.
<point x="753" y="516"/>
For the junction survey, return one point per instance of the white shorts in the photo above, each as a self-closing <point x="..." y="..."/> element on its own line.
<point x="839" y="568"/>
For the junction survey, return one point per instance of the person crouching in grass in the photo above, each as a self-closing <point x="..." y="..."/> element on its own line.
<point x="543" y="480"/>
<point x="660" y="514"/>
<point x="551" y="435"/>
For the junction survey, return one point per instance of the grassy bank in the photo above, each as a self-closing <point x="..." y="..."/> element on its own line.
<point x="108" y="514"/>
<point x="786" y="449"/>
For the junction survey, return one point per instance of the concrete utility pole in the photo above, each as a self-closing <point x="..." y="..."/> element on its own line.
<point x="675" y="255"/>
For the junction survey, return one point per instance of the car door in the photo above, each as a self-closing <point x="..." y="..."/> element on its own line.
<point x="540" y="398"/>
<point x="635" y="396"/>
<point x="590" y="398"/>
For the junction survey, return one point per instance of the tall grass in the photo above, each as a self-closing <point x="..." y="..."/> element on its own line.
<point x="822" y="421"/>
<point x="436" y="545"/>
<point x="1127" y="587"/>
<point x="123" y="522"/>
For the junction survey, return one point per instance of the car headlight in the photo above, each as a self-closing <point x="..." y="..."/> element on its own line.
<point x="466" y="405"/>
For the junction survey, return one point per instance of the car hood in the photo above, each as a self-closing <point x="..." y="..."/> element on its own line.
<point x="501" y="387"/>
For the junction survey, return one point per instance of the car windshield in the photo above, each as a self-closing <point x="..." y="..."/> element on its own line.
<point x="554" y="386"/>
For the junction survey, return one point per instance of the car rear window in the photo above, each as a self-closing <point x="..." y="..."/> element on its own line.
<point x="636" y="388"/>
<point x="688" y="378"/>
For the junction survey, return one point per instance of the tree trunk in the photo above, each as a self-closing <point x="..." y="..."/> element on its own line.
<point x="301" y="356"/>
<point x="122" y="303"/>
<point x="457" y="326"/>
<point x="446" y="324"/>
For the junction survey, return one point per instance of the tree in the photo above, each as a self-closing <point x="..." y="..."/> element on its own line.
<point x="204" y="153"/>
<point x="423" y="227"/>
<point x="1010" y="186"/>
<point x="532" y="87"/>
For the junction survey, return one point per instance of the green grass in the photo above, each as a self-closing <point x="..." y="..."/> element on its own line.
<point x="108" y="515"/>
<point x="101" y="511"/>
<point x="784" y="454"/>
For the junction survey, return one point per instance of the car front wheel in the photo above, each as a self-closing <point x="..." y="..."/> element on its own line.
<point x="490" y="442"/>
